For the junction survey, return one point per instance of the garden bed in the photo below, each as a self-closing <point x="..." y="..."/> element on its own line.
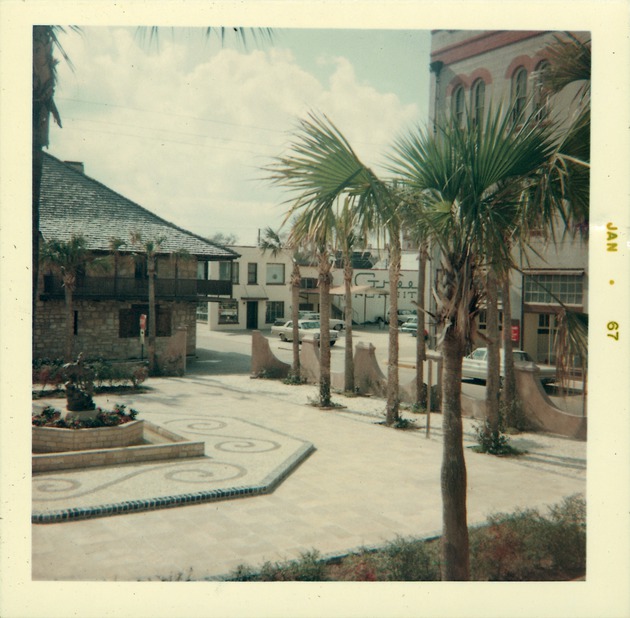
<point x="521" y="546"/>
<point x="148" y="442"/>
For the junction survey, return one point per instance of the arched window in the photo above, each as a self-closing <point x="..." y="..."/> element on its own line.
<point x="541" y="96"/>
<point x="519" y="93"/>
<point x="458" y="105"/>
<point x="478" y="102"/>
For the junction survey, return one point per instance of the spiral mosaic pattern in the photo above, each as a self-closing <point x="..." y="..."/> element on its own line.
<point x="243" y="445"/>
<point x="52" y="485"/>
<point x="214" y="472"/>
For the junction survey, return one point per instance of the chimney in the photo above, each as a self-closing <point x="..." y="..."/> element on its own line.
<point x="76" y="165"/>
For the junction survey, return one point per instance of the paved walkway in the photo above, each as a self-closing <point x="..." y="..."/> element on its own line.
<point x="363" y="485"/>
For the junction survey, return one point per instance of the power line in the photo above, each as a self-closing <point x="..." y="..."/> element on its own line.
<point x="138" y="109"/>
<point x="204" y="136"/>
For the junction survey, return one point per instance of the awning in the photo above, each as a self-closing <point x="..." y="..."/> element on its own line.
<point x="553" y="271"/>
<point x="358" y="289"/>
<point x="254" y="292"/>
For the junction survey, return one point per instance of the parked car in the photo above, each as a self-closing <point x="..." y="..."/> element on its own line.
<point x="306" y="328"/>
<point x="411" y="326"/>
<point x="403" y="315"/>
<point x="334" y="323"/>
<point x="475" y="365"/>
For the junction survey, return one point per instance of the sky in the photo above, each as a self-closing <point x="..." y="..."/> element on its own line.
<point x="186" y="127"/>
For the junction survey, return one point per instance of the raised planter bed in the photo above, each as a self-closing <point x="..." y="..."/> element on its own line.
<point x="54" y="440"/>
<point x="139" y="441"/>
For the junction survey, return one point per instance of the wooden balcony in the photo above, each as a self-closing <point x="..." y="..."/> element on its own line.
<point x="127" y="288"/>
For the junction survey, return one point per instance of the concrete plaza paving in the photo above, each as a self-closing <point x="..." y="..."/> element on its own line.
<point x="363" y="485"/>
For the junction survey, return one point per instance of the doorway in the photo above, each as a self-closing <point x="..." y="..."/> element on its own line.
<point x="252" y="315"/>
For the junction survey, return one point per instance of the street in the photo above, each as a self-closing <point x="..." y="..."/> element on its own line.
<point x="229" y="352"/>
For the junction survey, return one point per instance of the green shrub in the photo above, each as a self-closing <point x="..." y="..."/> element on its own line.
<point x="528" y="546"/>
<point x="493" y="442"/>
<point x="411" y="560"/>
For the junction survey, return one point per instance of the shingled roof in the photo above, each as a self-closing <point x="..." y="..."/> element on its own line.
<point x="72" y="203"/>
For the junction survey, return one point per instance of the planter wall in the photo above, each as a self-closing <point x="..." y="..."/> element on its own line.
<point x="55" y="440"/>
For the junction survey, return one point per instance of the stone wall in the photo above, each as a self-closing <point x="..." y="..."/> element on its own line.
<point x="98" y="329"/>
<point x="54" y="439"/>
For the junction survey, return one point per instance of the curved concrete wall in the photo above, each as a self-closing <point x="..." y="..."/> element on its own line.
<point x="539" y="409"/>
<point x="369" y="379"/>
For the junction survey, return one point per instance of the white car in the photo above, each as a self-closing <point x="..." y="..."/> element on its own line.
<point x="306" y="329"/>
<point x="334" y="323"/>
<point x="475" y="365"/>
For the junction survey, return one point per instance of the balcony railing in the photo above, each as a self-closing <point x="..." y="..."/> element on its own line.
<point x="126" y="288"/>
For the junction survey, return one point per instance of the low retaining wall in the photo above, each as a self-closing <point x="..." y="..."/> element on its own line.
<point x="369" y="379"/>
<point x="172" y="446"/>
<point x="539" y="409"/>
<point x="55" y="440"/>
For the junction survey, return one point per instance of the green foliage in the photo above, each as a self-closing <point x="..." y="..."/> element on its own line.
<point x="294" y="380"/>
<point x="521" y="546"/>
<point x="105" y="373"/>
<point x="49" y="417"/>
<point x="47" y="372"/>
<point x="528" y="546"/>
<point x="308" y="568"/>
<point x="411" y="560"/>
<point x="404" y="423"/>
<point x="269" y="373"/>
<point x="493" y="442"/>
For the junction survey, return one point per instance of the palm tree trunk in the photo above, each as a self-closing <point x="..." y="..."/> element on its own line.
<point x="348" y="357"/>
<point x="420" y="343"/>
<point x="43" y="90"/>
<point x="68" y="286"/>
<point x="455" y="545"/>
<point x="493" y="385"/>
<point x="295" y="314"/>
<point x="508" y="393"/>
<point x="152" y="317"/>
<point x="324" y="341"/>
<point x="392" y="409"/>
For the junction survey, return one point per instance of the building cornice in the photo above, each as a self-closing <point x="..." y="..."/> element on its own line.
<point x="481" y="44"/>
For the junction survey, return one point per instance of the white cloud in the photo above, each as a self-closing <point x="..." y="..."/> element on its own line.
<point x="184" y="132"/>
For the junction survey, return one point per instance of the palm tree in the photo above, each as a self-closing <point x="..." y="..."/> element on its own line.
<point x="322" y="168"/>
<point x="471" y="182"/>
<point x="316" y="231"/>
<point x="45" y="42"/>
<point x="411" y="216"/>
<point x="271" y="241"/>
<point x="347" y="240"/>
<point x="115" y="244"/>
<point x="149" y="250"/>
<point x="67" y="258"/>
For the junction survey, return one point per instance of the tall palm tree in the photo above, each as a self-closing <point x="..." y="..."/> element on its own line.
<point x="346" y="241"/>
<point x="45" y="41"/>
<point x="471" y="182"/>
<point x="321" y="168"/>
<point x="68" y="258"/>
<point x="316" y="231"/>
<point x="272" y="241"/>
<point x="410" y="217"/>
<point x="149" y="250"/>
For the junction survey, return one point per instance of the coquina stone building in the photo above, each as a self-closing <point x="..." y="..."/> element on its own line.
<point x="112" y="292"/>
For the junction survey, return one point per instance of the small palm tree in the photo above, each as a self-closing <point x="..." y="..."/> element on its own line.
<point x="320" y="169"/>
<point x="68" y="259"/>
<point x="273" y="242"/>
<point x="347" y="240"/>
<point x="316" y="232"/>
<point x="149" y="250"/>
